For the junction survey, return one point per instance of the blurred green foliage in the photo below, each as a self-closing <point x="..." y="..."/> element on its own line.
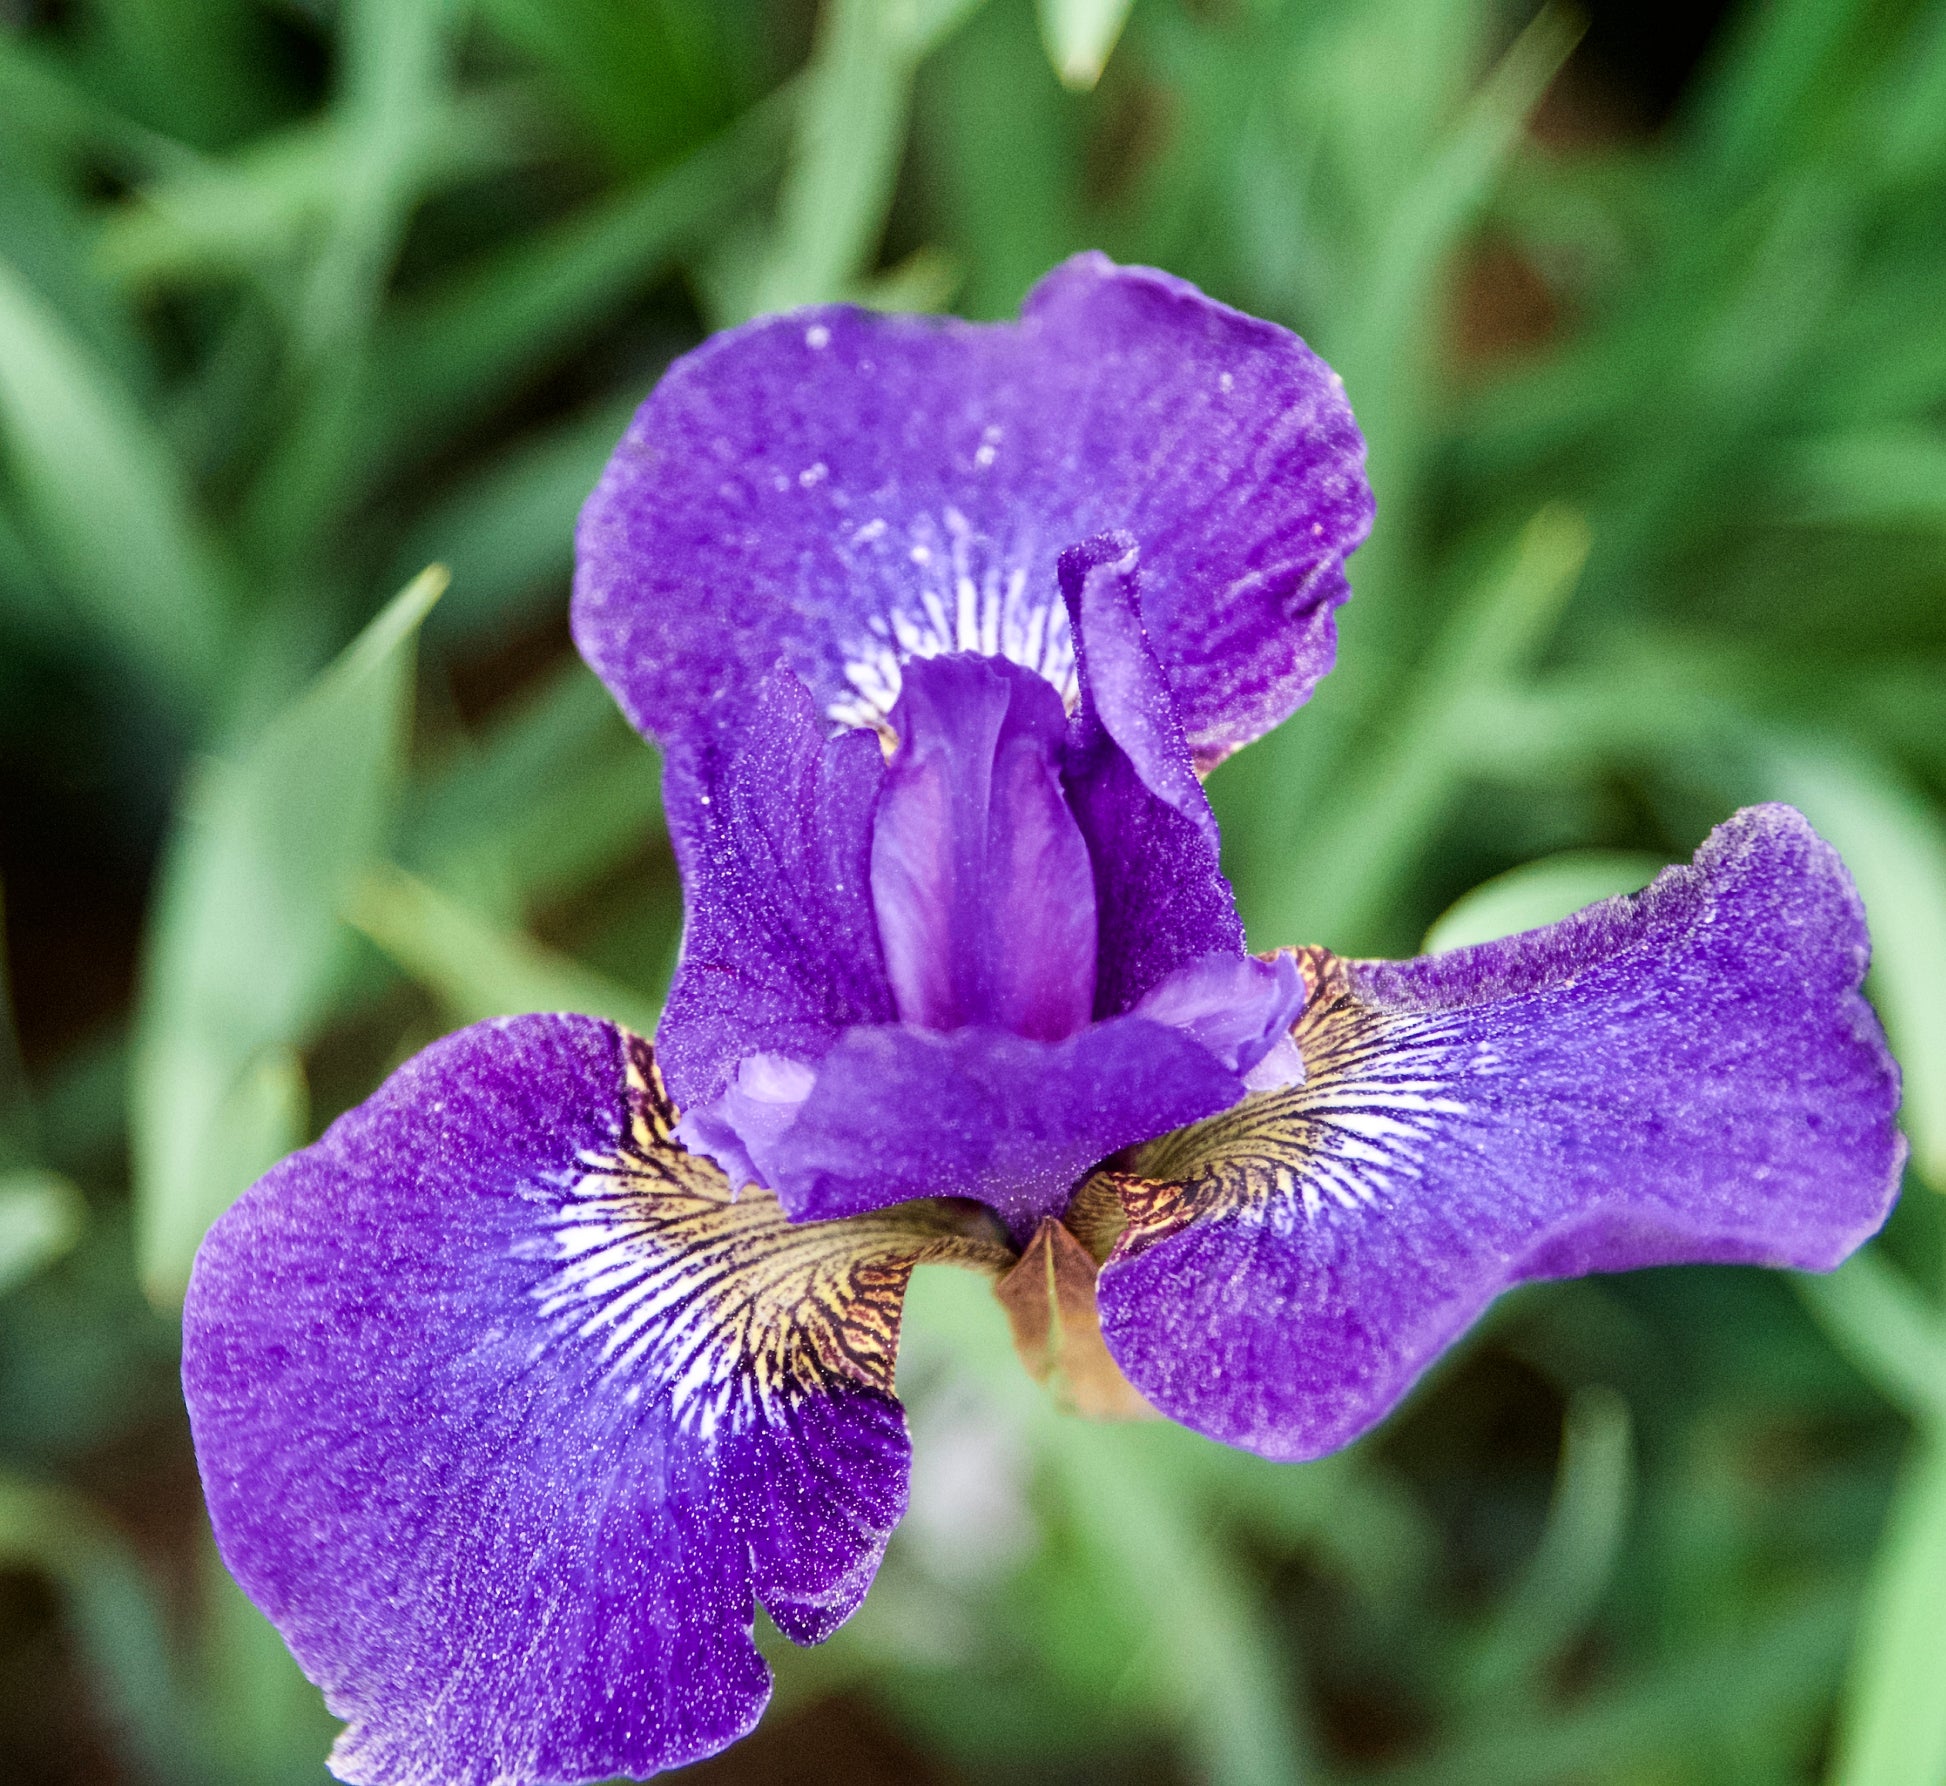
<point x="296" y="297"/>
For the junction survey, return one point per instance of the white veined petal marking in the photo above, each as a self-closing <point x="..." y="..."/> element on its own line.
<point x="948" y="588"/>
<point x="1377" y="1089"/>
<point x="721" y="1304"/>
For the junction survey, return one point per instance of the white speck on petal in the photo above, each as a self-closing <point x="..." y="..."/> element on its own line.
<point x="813" y="474"/>
<point x="817" y="335"/>
<point x="1226" y="383"/>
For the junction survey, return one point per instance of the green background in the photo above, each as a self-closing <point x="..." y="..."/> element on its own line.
<point x="1648" y="335"/>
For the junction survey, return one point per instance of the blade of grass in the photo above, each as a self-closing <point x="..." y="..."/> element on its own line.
<point x="1892" y="1725"/>
<point x="1878" y="1321"/>
<point x="1652" y="1725"/>
<point x="1890" y="477"/>
<point x="1350" y="866"/>
<point x="507" y="530"/>
<point x="1080" y="36"/>
<point x="393" y="60"/>
<point x="476" y="969"/>
<point x="1384" y="345"/>
<point x="19" y="1122"/>
<point x="193" y="68"/>
<point x="265" y="1722"/>
<point x="42" y="102"/>
<point x="1895" y="846"/>
<point x="1538" y="893"/>
<point x="247" y="941"/>
<point x="1576" y="1557"/>
<point x="111" y="1610"/>
<point x="109" y="506"/>
<point x="1768" y="83"/>
<point x="41" y="1217"/>
<point x="252" y="212"/>
<point x="1213" y="1655"/>
<point x="446" y="355"/>
<point x="852" y="112"/>
<point x="48" y="229"/>
<point x="602" y="56"/>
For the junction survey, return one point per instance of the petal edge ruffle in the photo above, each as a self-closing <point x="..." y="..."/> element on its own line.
<point x="507" y="1415"/>
<point x="1685" y="1074"/>
<point x="838" y="489"/>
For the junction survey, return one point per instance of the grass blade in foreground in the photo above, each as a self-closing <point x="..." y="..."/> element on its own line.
<point x="247" y="939"/>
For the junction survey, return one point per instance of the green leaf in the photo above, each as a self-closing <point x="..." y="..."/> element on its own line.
<point x="111" y="1609"/>
<point x="1877" y="1320"/>
<point x="507" y="531"/>
<point x="248" y="940"/>
<point x="1538" y="893"/>
<point x="490" y="325"/>
<point x="1080" y="34"/>
<point x="1895" y="846"/>
<point x="854" y="103"/>
<point x="559" y="791"/>
<point x="41" y="1216"/>
<point x="1577" y="1554"/>
<point x="1213" y="1654"/>
<point x="108" y="503"/>
<point x="474" y="967"/>
<point x="1346" y="869"/>
<point x="1892" y="1725"/>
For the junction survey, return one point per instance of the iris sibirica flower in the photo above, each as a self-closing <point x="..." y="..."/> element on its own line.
<point x="517" y="1393"/>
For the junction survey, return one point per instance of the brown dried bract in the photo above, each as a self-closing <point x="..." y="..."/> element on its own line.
<point x="1050" y="1302"/>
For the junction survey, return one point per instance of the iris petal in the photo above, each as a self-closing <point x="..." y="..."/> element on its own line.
<point x="780" y="950"/>
<point x="1240" y="1009"/>
<point x="507" y="1415"/>
<point x="1159" y="886"/>
<point x="841" y="490"/>
<point x="899" y="1112"/>
<point x="1686" y="1074"/>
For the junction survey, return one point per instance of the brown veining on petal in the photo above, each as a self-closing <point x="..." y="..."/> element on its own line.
<point x="1348" y="1135"/>
<point x="720" y="1296"/>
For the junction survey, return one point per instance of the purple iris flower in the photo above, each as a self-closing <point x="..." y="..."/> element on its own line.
<point x="517" y="1393"/>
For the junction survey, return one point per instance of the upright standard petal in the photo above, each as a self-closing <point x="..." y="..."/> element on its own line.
<point x="507" y="1415"/>
<point x="780" y="950"/>
<point x="1162" y="898"/>
<point x="1687" y="1074"/>
<point x="980" y="879"/>
<point x="844" y="490"/>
